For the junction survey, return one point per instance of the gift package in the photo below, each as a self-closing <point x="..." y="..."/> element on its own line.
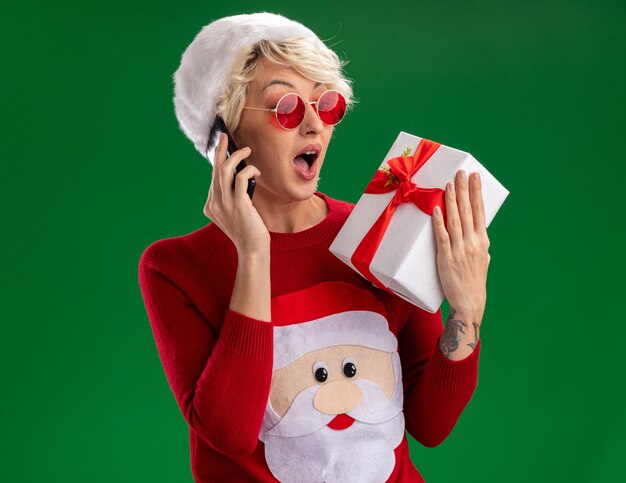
<point x="389" y="237"/>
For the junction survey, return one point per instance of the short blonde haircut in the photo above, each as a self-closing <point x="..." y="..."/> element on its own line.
<point x="315" y="62"/>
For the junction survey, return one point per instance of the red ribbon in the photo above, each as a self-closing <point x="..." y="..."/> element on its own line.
<point x="398" y="178"/>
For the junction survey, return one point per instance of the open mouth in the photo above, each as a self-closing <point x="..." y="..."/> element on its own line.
<point x="309" y="157"/>
<point x="305" y="160"/>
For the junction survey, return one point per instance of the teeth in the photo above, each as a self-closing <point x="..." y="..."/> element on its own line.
<point x="309" y="152"/>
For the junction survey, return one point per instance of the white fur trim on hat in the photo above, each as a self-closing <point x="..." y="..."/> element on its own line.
<point x="206" y="65"/>
<point x="355" y="327"/>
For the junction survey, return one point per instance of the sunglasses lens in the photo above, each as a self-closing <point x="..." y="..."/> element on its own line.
<point x="290" y="111"/>
<point x="331" y="107"/>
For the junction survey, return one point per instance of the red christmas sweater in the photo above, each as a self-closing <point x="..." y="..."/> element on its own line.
<point x="323" y="392"/>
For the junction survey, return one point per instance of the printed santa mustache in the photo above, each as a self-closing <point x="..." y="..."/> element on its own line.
<point x="301" y="447"/>
<point x="303" y="418"/>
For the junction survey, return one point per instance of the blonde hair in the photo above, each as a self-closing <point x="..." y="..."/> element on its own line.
<point x="313" y="60"/>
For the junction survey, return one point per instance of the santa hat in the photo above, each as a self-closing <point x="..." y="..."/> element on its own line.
<point x="207" y="63"/>
<point x="325" y="315"/>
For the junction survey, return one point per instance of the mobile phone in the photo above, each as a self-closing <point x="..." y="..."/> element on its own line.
<point x="218" y="128"/>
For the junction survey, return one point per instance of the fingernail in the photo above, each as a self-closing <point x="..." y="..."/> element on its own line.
<point x="462" y="174"/>
<point x="437" y="210"/>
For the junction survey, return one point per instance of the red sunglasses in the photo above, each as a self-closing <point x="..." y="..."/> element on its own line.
<point x="290" y="109"/>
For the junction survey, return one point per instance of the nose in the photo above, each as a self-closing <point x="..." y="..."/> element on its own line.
<point x="337" y="397"/>
<point x="311" y="122"/>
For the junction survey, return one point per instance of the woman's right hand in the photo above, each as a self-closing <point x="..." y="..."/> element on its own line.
<point x="232" y="210"/>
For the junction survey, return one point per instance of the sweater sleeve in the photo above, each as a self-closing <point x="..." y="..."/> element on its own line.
<point x="220" y="381"/>
<point x="436" y="389"/>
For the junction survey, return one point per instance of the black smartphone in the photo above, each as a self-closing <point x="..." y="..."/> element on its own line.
<point x="218" y="128"/>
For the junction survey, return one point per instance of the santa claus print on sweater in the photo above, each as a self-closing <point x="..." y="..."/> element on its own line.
<point x="335" y="406"/>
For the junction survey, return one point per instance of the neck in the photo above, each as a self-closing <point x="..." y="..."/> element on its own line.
<point x="280" y="216"/>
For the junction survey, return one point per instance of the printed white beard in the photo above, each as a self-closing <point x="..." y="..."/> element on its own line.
<point x="301" y="447"/>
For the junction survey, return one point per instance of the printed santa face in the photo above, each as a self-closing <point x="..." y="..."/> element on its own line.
<point x="334" y="412"/>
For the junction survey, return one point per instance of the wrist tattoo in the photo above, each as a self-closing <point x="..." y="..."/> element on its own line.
<point x="476" y="328"/>
<point x="453" y="333"/>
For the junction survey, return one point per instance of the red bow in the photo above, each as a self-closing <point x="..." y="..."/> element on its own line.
<point x="398" y="178"/>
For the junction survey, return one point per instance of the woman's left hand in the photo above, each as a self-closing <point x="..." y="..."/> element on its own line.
<point x="462" y="248"/>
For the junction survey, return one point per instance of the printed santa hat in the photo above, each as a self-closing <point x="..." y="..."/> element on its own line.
<point x="207" y="63"/>
<point x="325" y="315"/>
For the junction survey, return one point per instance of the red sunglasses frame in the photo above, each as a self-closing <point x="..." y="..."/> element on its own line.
<point x="275" y="109"/>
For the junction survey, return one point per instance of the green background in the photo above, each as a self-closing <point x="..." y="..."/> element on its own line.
<point x="95" y="168"/>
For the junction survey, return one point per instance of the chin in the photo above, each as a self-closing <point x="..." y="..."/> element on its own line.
<point x="303" y="193"/>
<point x="303" y="190"/>
<point x="310" y="187"/>
<point x="289" y="192"/>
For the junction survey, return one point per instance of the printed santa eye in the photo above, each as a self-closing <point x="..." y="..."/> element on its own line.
<point x="320" y="371"/>
<point x="349" y="367"/>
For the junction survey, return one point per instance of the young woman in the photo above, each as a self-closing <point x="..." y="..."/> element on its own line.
<point x="286" y="364"/>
